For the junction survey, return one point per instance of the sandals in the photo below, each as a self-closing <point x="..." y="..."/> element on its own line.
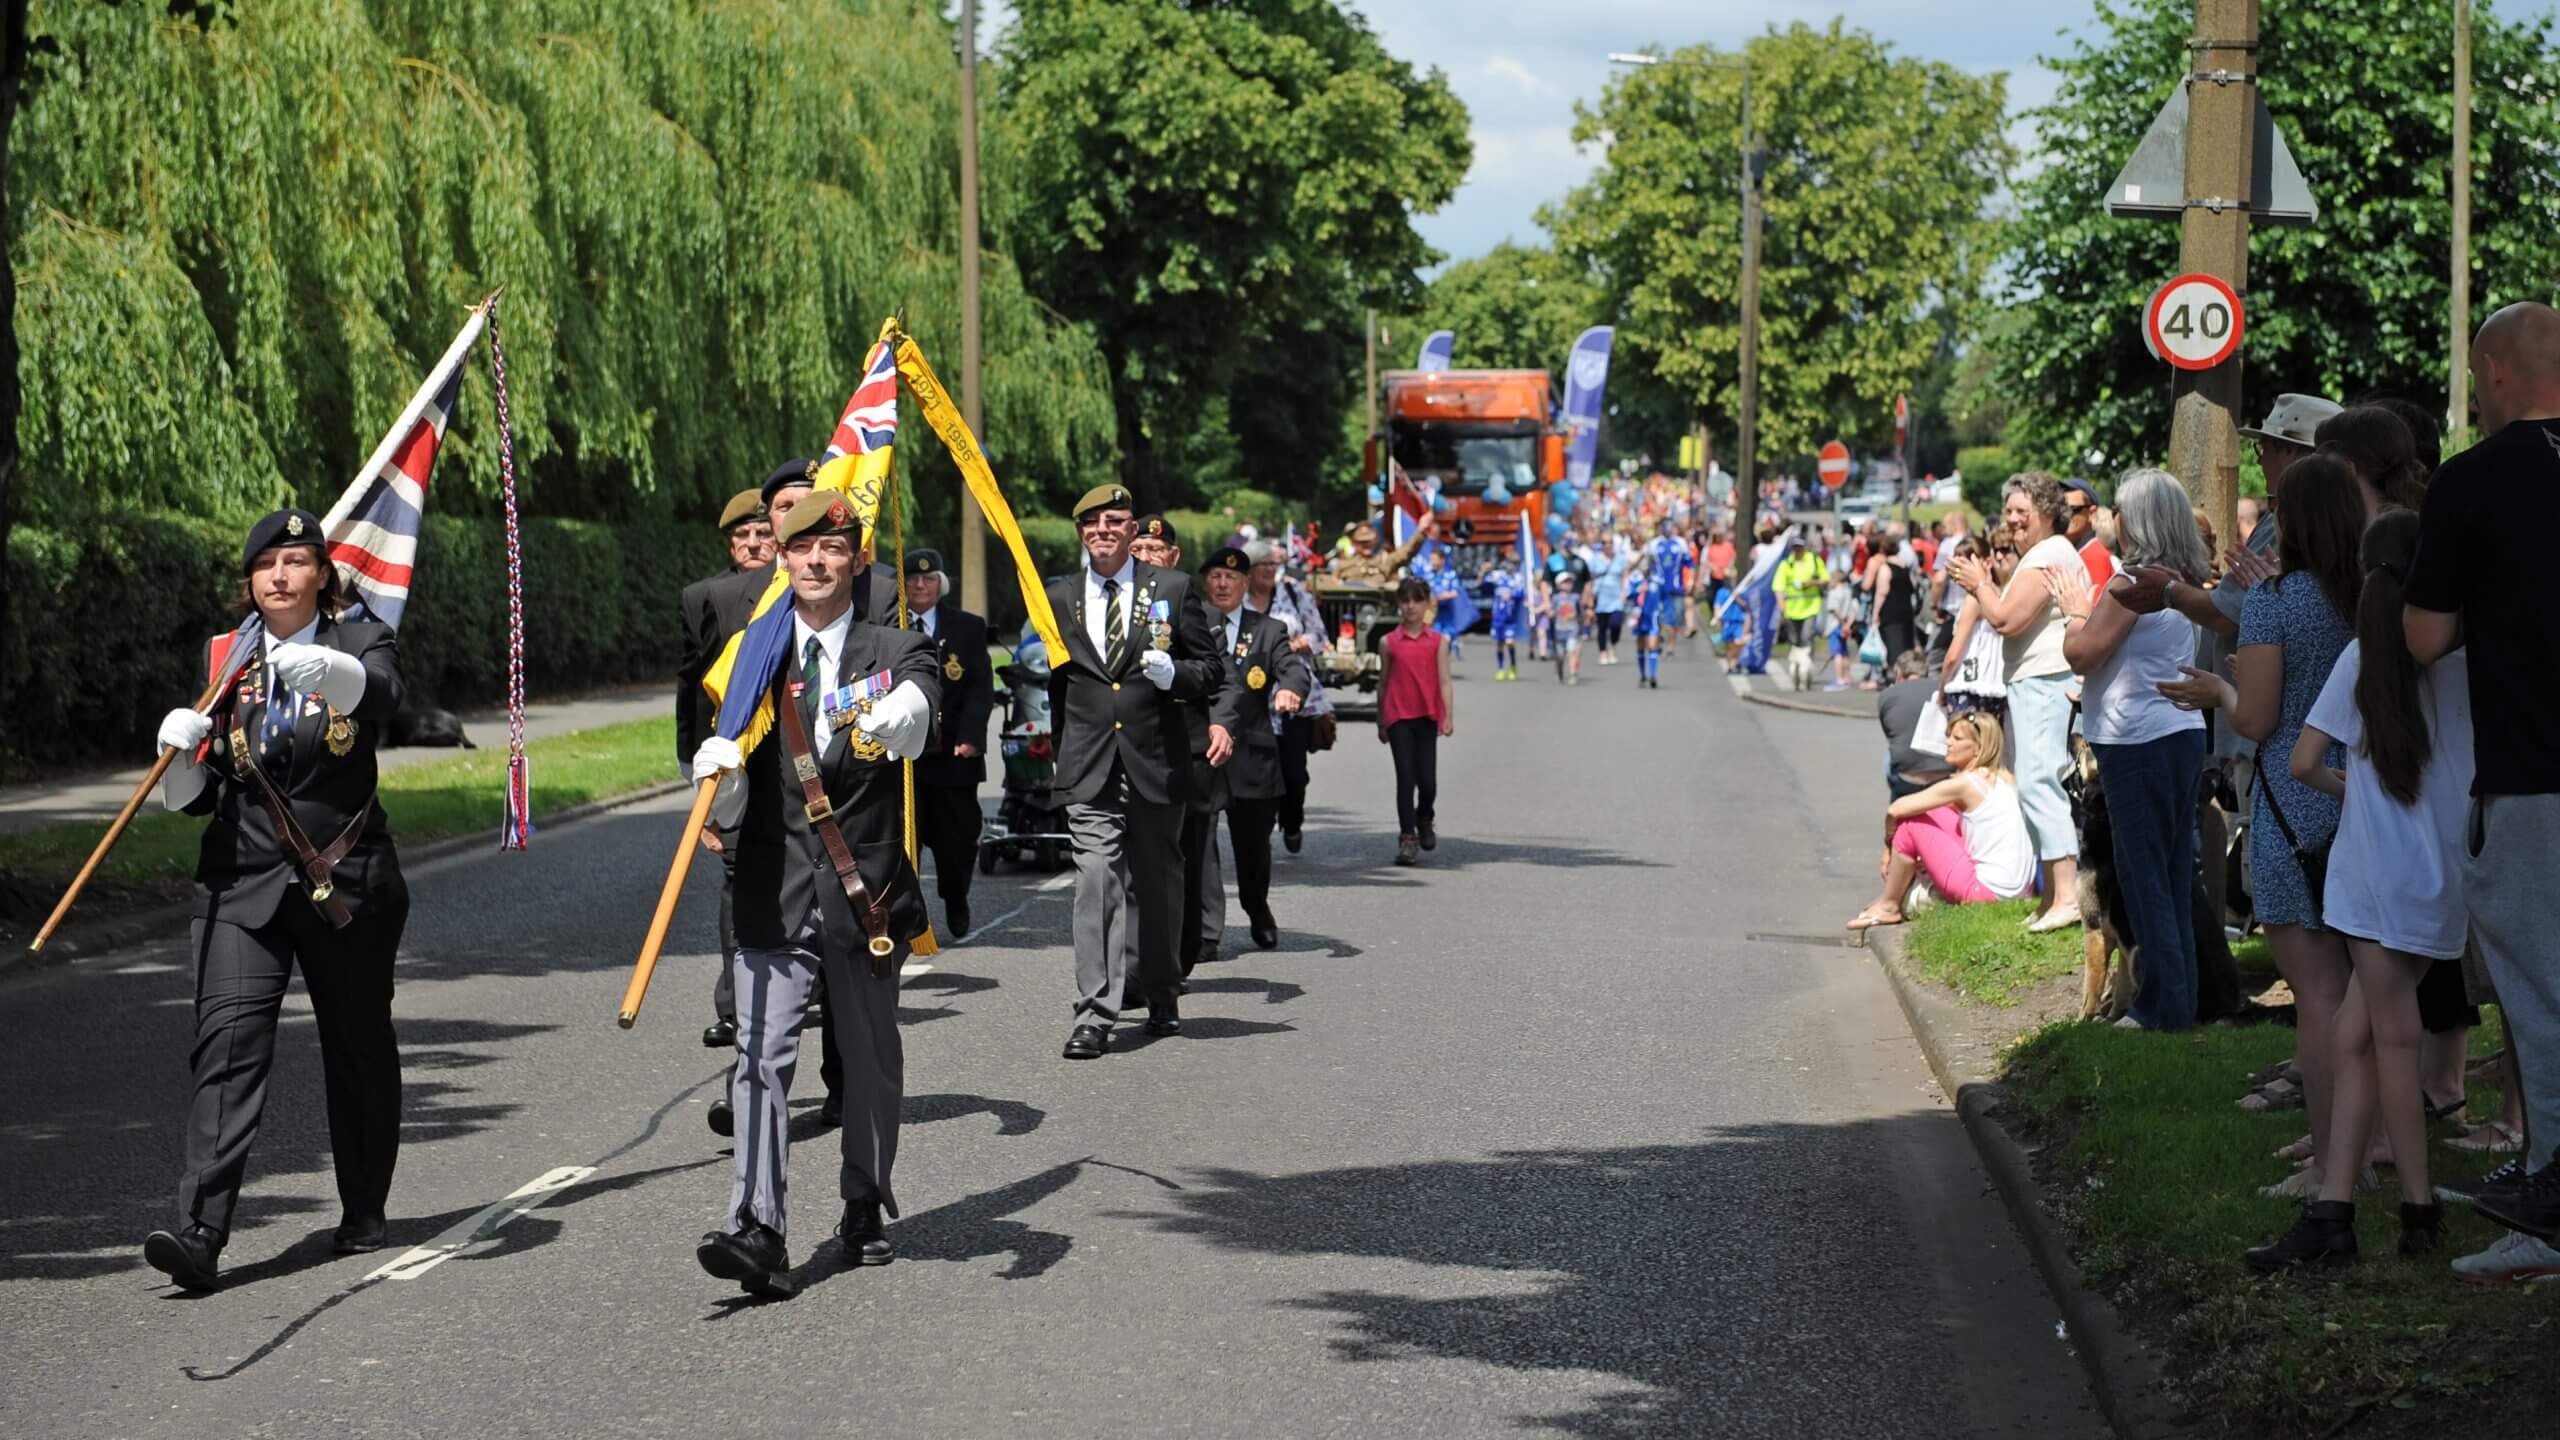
<point x="2450" y="1110"/>
<point x="2494" y="1138"/>
<point x="2058" y="920"/>
<point x="2295" y="1153"/>
<point x="2280" y="1093"/>
<point x="1875" y="916"/>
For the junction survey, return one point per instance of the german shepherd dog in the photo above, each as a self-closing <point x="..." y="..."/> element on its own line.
<point x="2111" y="965"/>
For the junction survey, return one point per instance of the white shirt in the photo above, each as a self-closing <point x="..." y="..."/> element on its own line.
<point x="2395" y="871"/>
<point x="2037" y="651"/>
<point x="2120" y="701"/>
<point x="1097" y="606"/>
<point x="830" y="664"/>
<point x="1995" y="835"/>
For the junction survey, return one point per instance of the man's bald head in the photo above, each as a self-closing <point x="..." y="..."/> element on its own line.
<point x="2515" y="362"/>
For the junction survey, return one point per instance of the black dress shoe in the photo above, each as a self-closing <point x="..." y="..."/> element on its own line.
<point x="191" y="1257"/>
<point x="831" y="1111"/>
<point x="1266" y="933"/>
<point x="723" y="1123"/>
<point x="1208" y="956"/>
<point x="866" y="1239"/>
<point x="1164" y="1019"/>
<point x="955" y="918"/>
<point x="754" y="1257"/>
<point x="356" y="1236"/>
<point x="2325" y="1235"/>
<point x="1293" y="839"/>
<point x="1087" y="1042"/>
<point x="720" y="1035"/>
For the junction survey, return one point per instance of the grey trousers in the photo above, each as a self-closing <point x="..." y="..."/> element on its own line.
<point x="1128" y="866"/>
<point x="773" y="989"/>
<point x="2515" y="919"/>
<point x="1208" y="879"/>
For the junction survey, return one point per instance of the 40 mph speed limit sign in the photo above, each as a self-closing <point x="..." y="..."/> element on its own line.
<point x="2193" y="322"/>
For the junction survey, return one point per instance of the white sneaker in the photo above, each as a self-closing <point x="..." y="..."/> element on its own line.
<point x="2516" y="1256"/>
<point x="1921" y="900"/>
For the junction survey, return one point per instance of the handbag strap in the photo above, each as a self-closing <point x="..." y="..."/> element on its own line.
<point x="2276" y="807"/>
<point x="821" y="812"/>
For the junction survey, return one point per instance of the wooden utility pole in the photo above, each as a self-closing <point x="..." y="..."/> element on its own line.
<point x="1747" y="424"/>
<point x="2213" y="239"/>
<point x="1369" y="395"/>
<point x="973" y="533"/>
<point x="2457" y="403"/>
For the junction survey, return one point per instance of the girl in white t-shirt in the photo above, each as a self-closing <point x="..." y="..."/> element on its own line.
<point x="2394" y="891"/>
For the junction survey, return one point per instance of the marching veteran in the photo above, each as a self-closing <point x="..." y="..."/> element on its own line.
<point x="1268" y="680"/>
<point x="297" y="869"/>
<point x="711" y="610"/>
<point x="1136" y="642"/>
<point x="948" y="820"/>
<point x="823" y="885"/>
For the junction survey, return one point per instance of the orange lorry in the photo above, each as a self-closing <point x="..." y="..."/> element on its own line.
<point x="1466" y="429"/>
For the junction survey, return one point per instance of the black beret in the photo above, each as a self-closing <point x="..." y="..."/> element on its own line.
<point x="828" y="514"/>
<point x="1229" y="557"/>
<point x="1156" y="527"/>
<point x="292" y="525"/>
<point x="1104" y="497"/>
<point x="790" y="473"/>
<point x="924" y="562"/>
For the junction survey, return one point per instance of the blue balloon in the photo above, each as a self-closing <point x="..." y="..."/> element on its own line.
<point x="1377" y="496"/>
<point x="1441" y="503"/>
<point x="1562" y="497"/>
<point x="1495" y="494"/>
<point x="1557" y="531"/>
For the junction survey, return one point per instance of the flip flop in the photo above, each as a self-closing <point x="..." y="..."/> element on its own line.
<point x="2275" y="1095"/>
<point x="1870" y="918"/>
<point x="2297" y="1152"/>
<point x="2063" y="920"/>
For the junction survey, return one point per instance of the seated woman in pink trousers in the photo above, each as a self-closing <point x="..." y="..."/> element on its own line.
<point x="1965" y="834"/>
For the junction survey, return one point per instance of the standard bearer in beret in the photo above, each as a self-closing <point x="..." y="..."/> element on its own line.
<point x="297" y="872"/>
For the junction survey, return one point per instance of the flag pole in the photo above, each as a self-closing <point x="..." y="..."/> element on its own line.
<point x="454" y="354"/>
<point x="647" y="965"/>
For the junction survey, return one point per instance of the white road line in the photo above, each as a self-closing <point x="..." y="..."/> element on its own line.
<point x="1059" y="881"/>
<point x="480" y="1227"/>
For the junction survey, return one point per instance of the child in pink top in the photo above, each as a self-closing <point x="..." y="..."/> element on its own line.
<point x="1416" y="700"/>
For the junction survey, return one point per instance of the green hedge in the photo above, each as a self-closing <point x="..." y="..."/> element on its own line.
<point x="109" y="626"/>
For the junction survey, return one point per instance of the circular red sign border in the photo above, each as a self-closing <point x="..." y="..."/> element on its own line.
<point x="2160" y="344"/>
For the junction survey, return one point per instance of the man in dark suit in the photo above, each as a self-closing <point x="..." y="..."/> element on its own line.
<point x="1204" y="909"/>
<point x="711" y="610"/>
<point x="818" y="818"/>
<point x="1136" y="641"/>
<point x="1269" y="680"/>
<point x="954" y="763"/>
<point x="297" y="871"/>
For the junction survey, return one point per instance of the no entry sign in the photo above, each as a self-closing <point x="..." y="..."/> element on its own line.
<point x="1835" y="464"/>
<point x="2193" y="322"/>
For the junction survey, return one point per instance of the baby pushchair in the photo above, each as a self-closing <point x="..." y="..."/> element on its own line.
<point x="1030" y="823"/>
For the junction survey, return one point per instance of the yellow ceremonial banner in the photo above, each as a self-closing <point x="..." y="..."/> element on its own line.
<point x="945" y="419"/>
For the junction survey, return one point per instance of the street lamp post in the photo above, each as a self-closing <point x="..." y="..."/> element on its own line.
<point x="1746" y="498"/>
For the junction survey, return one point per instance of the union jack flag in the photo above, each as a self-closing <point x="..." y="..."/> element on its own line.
<point x="373" y="529"/>
<point x="870" y="419"/>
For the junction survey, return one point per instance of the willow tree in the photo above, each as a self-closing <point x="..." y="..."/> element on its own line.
<point x="244" y="232"/>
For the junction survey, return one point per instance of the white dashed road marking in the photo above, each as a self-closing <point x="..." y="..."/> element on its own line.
<point x="480" y="1227"/>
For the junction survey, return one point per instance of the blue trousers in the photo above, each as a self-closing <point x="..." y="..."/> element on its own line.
<point x="2151" y="807"/>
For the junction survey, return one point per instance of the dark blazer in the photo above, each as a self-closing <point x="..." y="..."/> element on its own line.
<point x="960" y="644"/>
<point x="1101" y="715"/>
<point x="1253" y="773"/>
<point x="782" y="866"/>
<point x="710" y="611"/>
<point x="242" y="870"/>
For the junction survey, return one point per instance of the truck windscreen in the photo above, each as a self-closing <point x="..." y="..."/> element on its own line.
<point x="1467" y="457"/>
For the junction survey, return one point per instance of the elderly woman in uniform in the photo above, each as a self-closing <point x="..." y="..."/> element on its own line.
<point x="297" y="870"/>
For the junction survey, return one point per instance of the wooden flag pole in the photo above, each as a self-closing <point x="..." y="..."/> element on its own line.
<point x="648" y="962"/>
<point x="125" y="816"/>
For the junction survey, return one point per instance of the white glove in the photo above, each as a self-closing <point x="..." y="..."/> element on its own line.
<point x="721" y="758"/>
<point x="334" y="675"/>
<point x="1159" y="669"/>
<point x="901" y="720"/>
<point x="716" y="756"/>
<point x="183" y="730"/>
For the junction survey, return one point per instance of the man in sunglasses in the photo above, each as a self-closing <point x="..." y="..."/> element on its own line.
<point x="2083" y="534"/>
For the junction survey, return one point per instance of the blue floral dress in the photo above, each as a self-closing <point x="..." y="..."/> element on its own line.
<point x="2292" y="613"/>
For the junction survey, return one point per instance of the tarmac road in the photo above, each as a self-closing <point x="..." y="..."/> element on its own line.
<point x="1565" y="1130"/>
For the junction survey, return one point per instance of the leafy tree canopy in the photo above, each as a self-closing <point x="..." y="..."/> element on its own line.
<point x="1876" y="236"/>
<point x="244" y="232"/>
<point x="2362" y="90"/>
<point x="1219" y="186"/>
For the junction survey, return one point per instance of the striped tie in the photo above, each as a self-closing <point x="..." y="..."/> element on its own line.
<point x="1115" y="626"/>
<point x="812" y="680"/>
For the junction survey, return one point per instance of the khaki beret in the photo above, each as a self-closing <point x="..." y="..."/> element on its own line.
<point x="744" y="506"/>
<point x="1104" y="497"/>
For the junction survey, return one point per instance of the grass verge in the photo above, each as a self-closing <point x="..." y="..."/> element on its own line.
<point x="2153" y="1172"/>
<point x="430" y="800"/>
<point x="1984" y="953"/>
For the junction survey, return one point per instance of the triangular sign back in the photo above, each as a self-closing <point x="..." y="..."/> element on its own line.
<point x="2154" y="181"/>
